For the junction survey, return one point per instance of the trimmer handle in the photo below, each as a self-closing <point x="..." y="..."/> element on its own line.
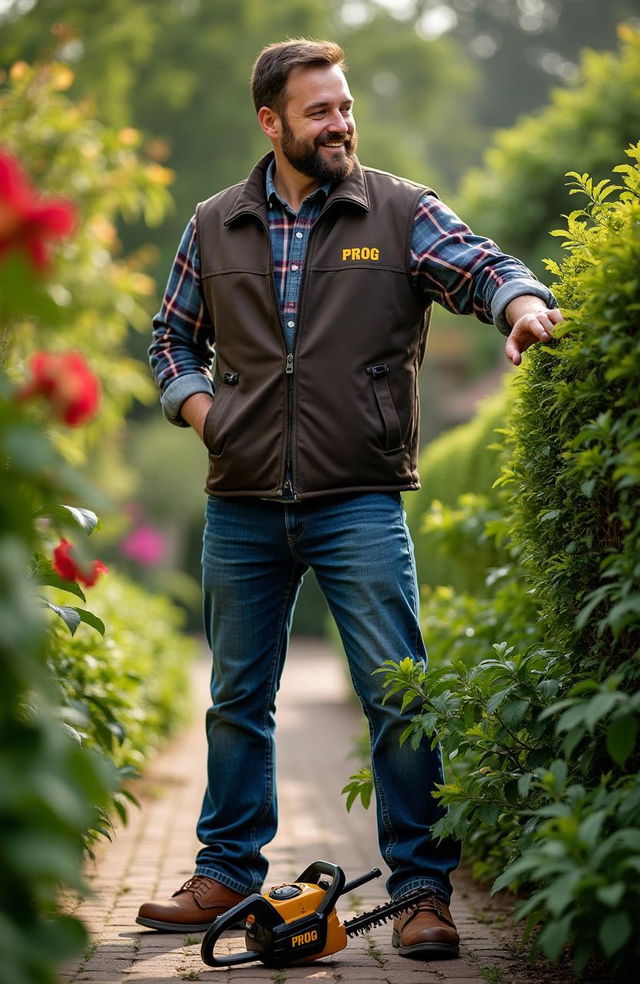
<point x="311" y="876"/>
<point x="255" y="904"/>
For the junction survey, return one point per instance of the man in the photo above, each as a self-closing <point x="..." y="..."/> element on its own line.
<point x="313" y="282"/>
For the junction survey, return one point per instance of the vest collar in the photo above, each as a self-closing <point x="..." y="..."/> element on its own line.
<point x="251" y="197"/>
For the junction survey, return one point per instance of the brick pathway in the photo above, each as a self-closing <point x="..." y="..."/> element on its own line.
<point x="151" y="856"/>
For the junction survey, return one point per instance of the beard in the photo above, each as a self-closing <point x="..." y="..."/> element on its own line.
<point x="307" y="158"/>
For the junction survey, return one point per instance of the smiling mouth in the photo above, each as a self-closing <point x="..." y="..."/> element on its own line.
<point x="335" y="144"/>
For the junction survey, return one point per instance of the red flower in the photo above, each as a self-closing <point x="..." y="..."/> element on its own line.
<point x="65" y="565"/>
<point x="67" y="382"/>
<point x="27" y="219"/>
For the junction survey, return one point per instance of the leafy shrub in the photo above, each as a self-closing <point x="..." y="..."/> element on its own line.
<point x="124" y="692"/>
<point x="542" y="738"/>
<point x="50" y="785"/>
<point x="56" y="783"/>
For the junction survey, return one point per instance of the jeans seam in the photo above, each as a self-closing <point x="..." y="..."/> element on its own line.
<point x="269" y="764"/>
<point x="414" y="596"/>
<point x="382" y="802"/>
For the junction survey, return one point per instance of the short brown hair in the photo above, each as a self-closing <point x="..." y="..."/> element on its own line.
<point x="274" y="65"/>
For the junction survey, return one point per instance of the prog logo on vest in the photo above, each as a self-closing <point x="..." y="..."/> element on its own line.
<point x="361" y="253"/>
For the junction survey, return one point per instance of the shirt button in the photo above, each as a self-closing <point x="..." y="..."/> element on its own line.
<point x="294" y="266"/>
<point x="291" y="324"/>
<point x="298" y="235"/>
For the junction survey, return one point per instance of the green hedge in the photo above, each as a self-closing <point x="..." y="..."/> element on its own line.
<point x="534" y="693"/>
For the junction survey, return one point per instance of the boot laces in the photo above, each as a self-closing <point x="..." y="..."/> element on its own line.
<point x="197" y="884"/>
<point x="435" y="905"/>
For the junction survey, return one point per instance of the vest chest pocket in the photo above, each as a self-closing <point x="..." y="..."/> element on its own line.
<point x="379" y="376"/>
<point x="212" y="424"/>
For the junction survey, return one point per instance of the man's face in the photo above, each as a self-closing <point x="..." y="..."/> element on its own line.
<point x="318" y="129"/>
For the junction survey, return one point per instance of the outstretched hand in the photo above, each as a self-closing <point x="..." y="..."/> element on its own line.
<point x="533" y="326"/>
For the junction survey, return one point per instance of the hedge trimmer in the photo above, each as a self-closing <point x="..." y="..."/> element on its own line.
<point x="297" y="922"/>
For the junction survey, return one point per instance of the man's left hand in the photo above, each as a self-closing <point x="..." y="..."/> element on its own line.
<point x="531" y="322"/>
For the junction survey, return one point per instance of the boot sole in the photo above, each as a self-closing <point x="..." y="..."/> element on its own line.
<point x="426" y="951"/>
<point x="168" y="927"/>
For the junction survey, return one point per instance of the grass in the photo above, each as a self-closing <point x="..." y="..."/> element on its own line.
<point x="492" y="974"/>
<point x="373" y="951"/>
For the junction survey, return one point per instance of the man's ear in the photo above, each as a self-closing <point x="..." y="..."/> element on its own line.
<point x="270" y="122"/>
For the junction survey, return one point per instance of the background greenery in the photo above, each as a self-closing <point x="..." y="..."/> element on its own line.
<point x="432" y="79"/>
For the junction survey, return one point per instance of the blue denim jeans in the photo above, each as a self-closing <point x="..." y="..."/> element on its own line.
<point x="254" y="556"/>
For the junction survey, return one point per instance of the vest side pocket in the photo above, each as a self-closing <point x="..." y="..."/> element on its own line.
<point x="378" y="375"/>
<point x="224" y="392"/>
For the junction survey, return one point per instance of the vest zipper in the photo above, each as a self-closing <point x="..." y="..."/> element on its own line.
<point x="290" y="485"/>
<point x="286" y="485"/>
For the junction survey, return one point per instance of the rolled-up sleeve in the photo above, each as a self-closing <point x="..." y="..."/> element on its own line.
<point x="466" y="273"/>
<point x="181" y="353"/>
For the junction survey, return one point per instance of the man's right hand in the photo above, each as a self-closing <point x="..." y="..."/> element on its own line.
<point x="194" y="410"/>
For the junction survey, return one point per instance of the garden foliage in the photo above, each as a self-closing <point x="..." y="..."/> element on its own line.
<point x="82" y="702"/>
<point x="541" y="734"/>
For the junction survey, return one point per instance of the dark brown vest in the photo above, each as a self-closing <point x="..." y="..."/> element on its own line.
<point x="344" y="407"/>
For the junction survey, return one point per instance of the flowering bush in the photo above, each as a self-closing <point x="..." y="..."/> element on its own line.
<point x="68" y="568"/>
<point x="53" y="788"/>
<point x="29" y="220"/>
<point x="61" y="741"/>
<point x="67" y="383"/>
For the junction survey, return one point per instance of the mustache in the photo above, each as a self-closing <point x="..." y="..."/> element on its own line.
<point x="344" y="138"/>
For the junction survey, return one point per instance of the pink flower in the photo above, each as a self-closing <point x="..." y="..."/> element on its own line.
<point x="28" y="220"/>
<point x="67" y="567"/>
<point x="67" y="382"/>
<point x="145" y="544"/>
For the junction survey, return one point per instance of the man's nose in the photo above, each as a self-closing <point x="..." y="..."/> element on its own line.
<point x="337" y="123"/>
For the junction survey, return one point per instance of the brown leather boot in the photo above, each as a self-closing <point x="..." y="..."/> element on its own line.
<point x="191" y="909"/>
<point x="426" y="931"/>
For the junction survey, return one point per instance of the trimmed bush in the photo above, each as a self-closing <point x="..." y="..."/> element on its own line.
<point x="542" y="738"/>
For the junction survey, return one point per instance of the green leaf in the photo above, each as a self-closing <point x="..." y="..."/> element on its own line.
<point x="68" y="615"/>
<point x="86" y="519"/>
<point x="611" y="895"/>
<point x="554" y="936"/>
<point x="614" y="932"/>
<point x="90" y="619"/>
<point x="621" y="738"/>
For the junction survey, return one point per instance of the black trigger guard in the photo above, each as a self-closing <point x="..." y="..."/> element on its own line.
<point x="253" y="904"/>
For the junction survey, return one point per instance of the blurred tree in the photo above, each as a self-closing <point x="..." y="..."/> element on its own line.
<point x="520" y="192"/>
<point x="522" y="47"/>
<point x="179" y="70"/>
